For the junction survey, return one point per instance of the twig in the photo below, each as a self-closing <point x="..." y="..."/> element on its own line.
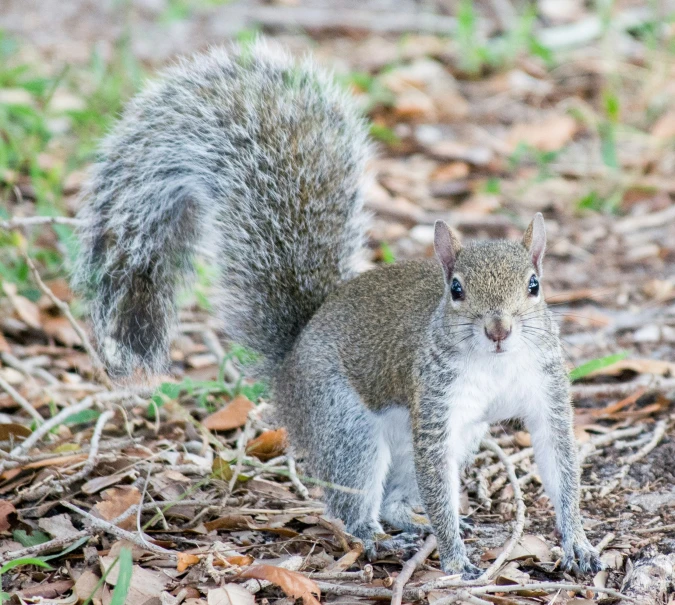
<point x="22" y="401"/>
<point x="111" y="528"/>
<point x="241" y="451"/>
<point x="293" y="476"/>
<point x="409" y="568"/>
<point x="547" y="587"/>
<point x="32" y="494"/>
<point x="65" y="309"/>
<point x="519" y="525"/>
<point x="292" y="564"/>
<point x="365" y="575"/>
<point x="382" y="594"/>
<point x="30" y="221"/>
<point x="53" y="422"/>
<point x="659" y="431"/>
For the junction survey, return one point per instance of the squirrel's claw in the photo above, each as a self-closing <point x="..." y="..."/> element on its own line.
<point x="402" y="546"/>
<point x="461" y="565"/>
<point x="466" y="526"/>
<point x="582" y="558"/>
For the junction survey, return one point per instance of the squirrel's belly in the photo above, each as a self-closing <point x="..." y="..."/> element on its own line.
<point x="496" y="389"/>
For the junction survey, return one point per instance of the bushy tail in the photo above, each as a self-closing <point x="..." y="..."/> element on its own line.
<point x="247" y="154"/>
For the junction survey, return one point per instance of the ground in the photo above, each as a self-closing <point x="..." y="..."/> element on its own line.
<point x="484" y="113"/>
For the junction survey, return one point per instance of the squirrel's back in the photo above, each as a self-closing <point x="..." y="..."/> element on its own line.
<point x="245" y="154"/>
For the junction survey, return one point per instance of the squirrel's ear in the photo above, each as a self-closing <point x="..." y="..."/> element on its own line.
<point x="447" y="247"/>
<point x="535" y="242"/>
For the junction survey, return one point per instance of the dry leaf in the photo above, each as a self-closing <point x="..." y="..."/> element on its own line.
<point x="547" y="135"/>
<point x="230" y="594"/>
<point x="60" y="329"/>
<point x="4" y="345"/>
<point x="238" y="560"/>
<point x="58" y="526"/>
<point x="294" y="584"/>
<point x="145" y="584"/>
<point x="664" y="128"/>
<point x="25" y="310"/>
<point x="529" y="547"/>
<point x="268" y="445"/>
<point x="7" y="515"/>
<point x="115" y="502"/>
<point x="232" y="416"/>
<point x="12" y="430"/>
<point x="640" y="366"/>
<point x="85" y="585"/>
<point x="186" y="560"/>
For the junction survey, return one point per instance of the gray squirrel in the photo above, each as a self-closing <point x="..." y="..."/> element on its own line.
<point x="387" y="381"/>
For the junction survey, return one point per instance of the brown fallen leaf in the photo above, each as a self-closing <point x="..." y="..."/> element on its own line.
<point x="529" y="547"/>
<point x="4" y="345"/>
<point x="550" y="134"/>
<point x="294" y="584"/>
<point x="116" y="501"/>
<point x="268" y="445"/>
<point x="13" y="431"/>
<point x="186" y="560"/>
<point x="7" y="515"/>
<point x="232" y="416"/>
<point x="230" y="594"/>
<point x="25" y="310"/>
<point x="60" y="329"/>
<point x="664" y="128"/>
<point x="87" y="587"/>
<point x="639" y="366"/>
<point x="57" y="526"/>
<point x="145" y="583"/>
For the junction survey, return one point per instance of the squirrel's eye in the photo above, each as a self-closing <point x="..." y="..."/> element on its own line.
<point x="533" y="286"/>
<point x="456" y="290"/>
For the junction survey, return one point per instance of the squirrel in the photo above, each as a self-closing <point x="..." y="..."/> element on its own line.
<point x="387" y="380"/>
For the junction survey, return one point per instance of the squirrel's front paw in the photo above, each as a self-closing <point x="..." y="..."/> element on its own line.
<point x="581" y="558"/>
<point x="461" y="565"/>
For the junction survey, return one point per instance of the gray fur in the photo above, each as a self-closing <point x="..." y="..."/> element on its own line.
<point x="386" y="383"/>
<point x="233" y="152"/>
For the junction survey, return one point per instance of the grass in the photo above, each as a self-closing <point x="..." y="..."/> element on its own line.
<point x="42" y="142"/>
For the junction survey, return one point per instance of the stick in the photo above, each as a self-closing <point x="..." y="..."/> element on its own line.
<point x="111" y="528"/>
<point x="293" y="476"/>
<point x="48" y="425"/>
<point x="32" y="494"/>
<point x="659" y="431"/>
<point x="29" y="221"/>
<point x="519" y="525"/>
<point x="65" y="309"/>
<point x="409" y="568"/>
<point x="22" y="401"/>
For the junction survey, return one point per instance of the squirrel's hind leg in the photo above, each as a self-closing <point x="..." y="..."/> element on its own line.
<point x="344" y="446"/>
<point x="401" y="505"/>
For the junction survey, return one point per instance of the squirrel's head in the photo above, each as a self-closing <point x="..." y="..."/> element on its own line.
<point x="493" y="291"/>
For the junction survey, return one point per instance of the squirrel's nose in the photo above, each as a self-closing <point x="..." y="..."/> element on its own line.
<point x="497" y="331"/>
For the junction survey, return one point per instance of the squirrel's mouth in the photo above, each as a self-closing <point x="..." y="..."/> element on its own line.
<point x="499" y="348"/>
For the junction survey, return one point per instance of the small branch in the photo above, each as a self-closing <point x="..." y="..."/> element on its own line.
<point x="365" y="575"/>
<point x="123" y="534"/>
<point x="50" y="424"/>
<point x="519" y="525"/>
<point x="293" y="476"/>
<point x="32" y="494"/>
<point x="22" y="401"/>
<point x="65" y="309"/>
<point x="409" y="569"/>
<point x="30" y="221"/>
<point x="659" y="431"/>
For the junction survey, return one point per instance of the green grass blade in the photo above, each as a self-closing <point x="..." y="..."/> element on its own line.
<point x="595" y="364"/>
<point x="26" y="561"/>
<point x="126" y="564"/>
<point x="100" y="582"/>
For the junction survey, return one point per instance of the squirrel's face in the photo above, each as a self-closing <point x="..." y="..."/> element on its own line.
<point x="493" y="293"/>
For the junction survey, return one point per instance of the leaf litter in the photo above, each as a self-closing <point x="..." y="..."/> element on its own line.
<point x="478" y="133"/>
